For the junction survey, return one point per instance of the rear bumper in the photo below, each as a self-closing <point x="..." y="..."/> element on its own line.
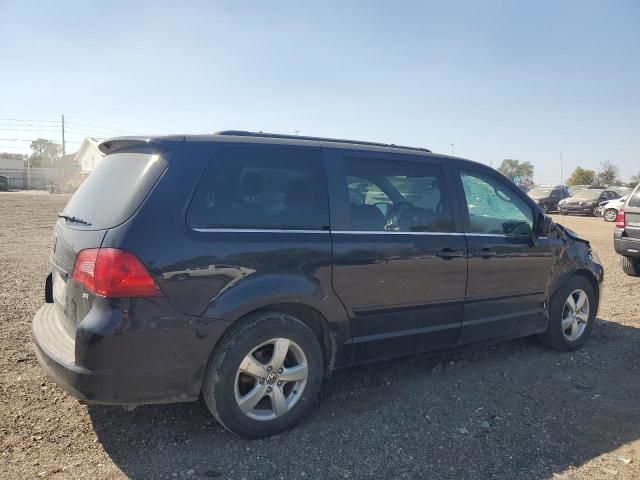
<point x="137" y="383"/>
<point x="629" y="247"/>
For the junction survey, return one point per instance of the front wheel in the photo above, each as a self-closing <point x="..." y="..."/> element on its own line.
<point x="631" y="266"/>
<point x="572" y="313"/>
<point x="265" y="376"/>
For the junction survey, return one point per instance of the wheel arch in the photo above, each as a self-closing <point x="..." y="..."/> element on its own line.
<point x="313" y="319"/>
<point x="307" y="314"/>
<point x="589" y="276"/>
<point x="581" y="272"/>
<point x="309" y="299"/>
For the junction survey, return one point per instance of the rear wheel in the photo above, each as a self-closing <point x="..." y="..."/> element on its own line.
<point x="572" y="313"/>
<point x="631" y="266"/>
<point x="265" y="375"/>
<point x="610" y="215"/>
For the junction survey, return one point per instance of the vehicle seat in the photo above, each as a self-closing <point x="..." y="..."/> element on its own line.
<point x="246" y="208"/>
<point x="366" y="217"/>
<point x="298" y="200"/>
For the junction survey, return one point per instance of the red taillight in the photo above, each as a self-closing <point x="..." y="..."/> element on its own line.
<point x="620" y="219"/>
<point x="114" y="273"/>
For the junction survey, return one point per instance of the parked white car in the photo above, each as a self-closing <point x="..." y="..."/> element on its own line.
<point x="609" y="209"/>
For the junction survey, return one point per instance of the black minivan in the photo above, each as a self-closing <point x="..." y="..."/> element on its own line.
<point x="246" y="266"/>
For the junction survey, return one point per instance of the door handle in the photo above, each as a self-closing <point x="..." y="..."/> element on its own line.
<point x="448" y="253"/>
<point x="484" y="253"/>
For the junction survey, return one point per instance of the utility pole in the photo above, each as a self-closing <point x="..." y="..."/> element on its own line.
<point x="561" y="171"/>
<point x="63" y="146"/>
<point x="64" y="152"/>
<point x="452" y="149"/>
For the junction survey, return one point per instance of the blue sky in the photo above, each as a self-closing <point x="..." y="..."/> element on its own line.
<point x="498" y="79"/>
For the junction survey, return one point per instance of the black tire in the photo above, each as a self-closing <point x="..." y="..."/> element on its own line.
<point x="554" y="336"/>
<point x="631" y="266"/>
<point x="219" y="383"/>
<point x="612" y="217"/>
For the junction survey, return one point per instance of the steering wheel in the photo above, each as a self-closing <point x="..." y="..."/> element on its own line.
<point x="396" y="215"/>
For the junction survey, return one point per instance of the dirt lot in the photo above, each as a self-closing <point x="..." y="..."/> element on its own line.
<point x="515" y="410"/>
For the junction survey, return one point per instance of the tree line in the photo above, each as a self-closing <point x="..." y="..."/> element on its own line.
<point x="608" y="174"/>
<point x="44" y="153"/>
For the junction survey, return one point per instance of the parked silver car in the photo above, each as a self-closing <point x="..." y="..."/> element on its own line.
<point x="609" y="208"/>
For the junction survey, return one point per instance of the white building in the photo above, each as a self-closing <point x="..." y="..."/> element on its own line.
<point x="12" y="163"/>
<point x="88" y="155"/>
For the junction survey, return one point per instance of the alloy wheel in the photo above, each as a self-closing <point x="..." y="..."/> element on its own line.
<point x="610" y="215"/>
<point x="270" y="379"/>
<point x="575" y="315"/>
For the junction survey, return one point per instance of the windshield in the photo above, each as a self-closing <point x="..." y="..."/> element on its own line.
<point x="588" y="194"/>
<point x="114" y="190"/>
<point x="540" y="192"/>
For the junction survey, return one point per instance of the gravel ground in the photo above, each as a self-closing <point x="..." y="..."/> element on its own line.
<point x="513" y="410"/>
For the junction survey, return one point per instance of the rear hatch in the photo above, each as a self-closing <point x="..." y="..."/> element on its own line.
<point x="111" y="195"/>
<point x="632" y="214"/>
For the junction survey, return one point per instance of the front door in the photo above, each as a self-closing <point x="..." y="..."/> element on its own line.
<point x="399" y="259"/>
<point x="508" y="271"/>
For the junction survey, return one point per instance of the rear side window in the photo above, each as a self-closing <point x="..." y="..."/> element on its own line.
<point x="262" y="188"/>
<point x="115" y="189"/>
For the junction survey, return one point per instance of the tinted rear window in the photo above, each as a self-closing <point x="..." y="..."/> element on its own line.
<point x="262" y="188"/>
<point x="115" y="189"/>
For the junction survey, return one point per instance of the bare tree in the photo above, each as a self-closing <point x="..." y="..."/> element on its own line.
<point x="608" y="173"/>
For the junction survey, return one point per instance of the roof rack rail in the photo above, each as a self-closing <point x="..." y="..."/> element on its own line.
<point x="243" y="133"/>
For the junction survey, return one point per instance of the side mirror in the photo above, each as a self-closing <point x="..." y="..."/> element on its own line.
<point x="544" y="225"/>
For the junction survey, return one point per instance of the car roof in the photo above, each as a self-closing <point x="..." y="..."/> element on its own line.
<point x="240" y="136"/>
<point x="167" y="142"/>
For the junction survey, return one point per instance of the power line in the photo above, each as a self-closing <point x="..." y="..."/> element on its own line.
<point x="48" y="129"/>
<point x="48" y="125"/>
<point x="22" y="125"/>
<point x="28" y="120"/>
<point x="100" y="128"/>
<point x="72" y="132"/>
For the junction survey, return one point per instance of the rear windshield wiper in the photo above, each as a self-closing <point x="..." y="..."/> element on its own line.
<point x="69" y="218"/>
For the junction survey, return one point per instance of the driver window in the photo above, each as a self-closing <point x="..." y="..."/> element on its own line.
<point x="494" y="208"/>
<point x="389" y="195"/>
